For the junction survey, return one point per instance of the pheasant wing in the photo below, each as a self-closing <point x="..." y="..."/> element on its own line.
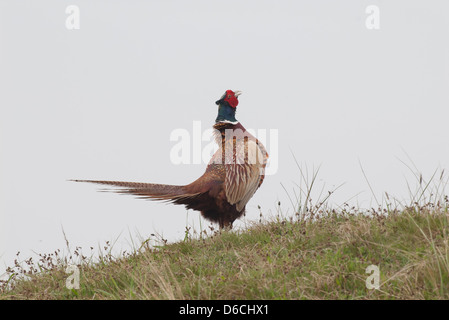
<point x="244" y="173"/>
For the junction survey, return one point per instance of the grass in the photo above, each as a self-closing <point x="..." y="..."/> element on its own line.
<point x="318" y="253"/>
<point x="320" y="258"/>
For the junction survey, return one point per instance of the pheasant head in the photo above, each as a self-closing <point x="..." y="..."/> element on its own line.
<point x="227" y="106"/>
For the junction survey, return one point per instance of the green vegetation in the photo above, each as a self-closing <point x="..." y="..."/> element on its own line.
<point x="319" y="253"/>
<point x="316" y="258"/>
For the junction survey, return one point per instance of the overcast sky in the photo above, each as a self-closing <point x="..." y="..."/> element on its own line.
<point x="101" y="102"/>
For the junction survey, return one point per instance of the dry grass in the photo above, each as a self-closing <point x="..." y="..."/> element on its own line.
<point x="319" y="253"/>
<point x="323" y="258"/>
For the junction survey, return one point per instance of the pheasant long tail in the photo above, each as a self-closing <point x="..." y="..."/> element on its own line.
<point x="164" y="192"/>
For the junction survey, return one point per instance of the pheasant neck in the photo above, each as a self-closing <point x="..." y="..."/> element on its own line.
<point x="226" y="114"/>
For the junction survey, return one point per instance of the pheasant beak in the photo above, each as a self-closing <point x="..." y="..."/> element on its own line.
<point x="237" y="93"/>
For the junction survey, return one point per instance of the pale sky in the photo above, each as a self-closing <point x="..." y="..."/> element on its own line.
<point x="101" y="101"/>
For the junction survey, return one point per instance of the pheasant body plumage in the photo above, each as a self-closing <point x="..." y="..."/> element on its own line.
<point x="234" y="173"/>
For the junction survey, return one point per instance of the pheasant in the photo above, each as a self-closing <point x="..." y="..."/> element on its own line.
<point x="232" y="176"/>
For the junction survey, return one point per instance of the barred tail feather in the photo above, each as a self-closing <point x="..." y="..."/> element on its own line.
<point x="152" y="191"/>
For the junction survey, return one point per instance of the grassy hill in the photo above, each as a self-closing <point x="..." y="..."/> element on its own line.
<point x="316" y="258"/>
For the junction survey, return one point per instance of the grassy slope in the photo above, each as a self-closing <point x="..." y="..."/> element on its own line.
<point x="324" y="259"/>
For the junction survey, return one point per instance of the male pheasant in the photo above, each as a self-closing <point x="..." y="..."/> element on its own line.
<point x="234" y="173"/>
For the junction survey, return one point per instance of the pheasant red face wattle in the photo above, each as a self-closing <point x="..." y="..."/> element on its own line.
<point x="231" y="98"/>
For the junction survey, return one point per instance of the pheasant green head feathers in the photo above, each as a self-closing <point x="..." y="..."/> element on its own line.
<point x="227" y="105"/>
